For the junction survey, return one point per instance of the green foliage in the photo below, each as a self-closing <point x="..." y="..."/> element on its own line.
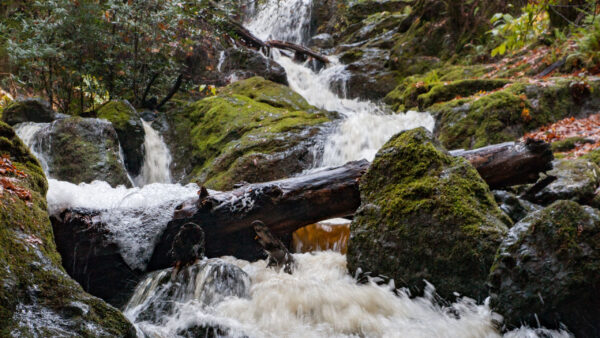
<point x="588" y="44"/>
<point x="80" y="52"/>
<point x="515" y="32"/>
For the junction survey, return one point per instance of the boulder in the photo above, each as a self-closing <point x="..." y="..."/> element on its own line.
<point x="128" y="125"/>
<point x="547" y="270"/>
<point x="426" y="215"/>
<point x="322" y="41"/>
<point x="29" y="110"/>
<point x="37" y="297"/>
<point x="515" y="207"/>
<point x="576" y="180"/>
<point x="254" y="130"/>
<point x="82" y="150"/>
<point x="243" y="64"/>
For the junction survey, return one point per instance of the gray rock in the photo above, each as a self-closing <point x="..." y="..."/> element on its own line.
<point x="576" y="180"/>
<point x="29" y="110"/>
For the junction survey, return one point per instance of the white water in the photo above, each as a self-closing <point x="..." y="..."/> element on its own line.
<point x="157" y="158"/>
<point x="319" y="300"/>
<point x="28" y="133"/>
<point x="135" y="217"/>
<point x="366" y="126"/>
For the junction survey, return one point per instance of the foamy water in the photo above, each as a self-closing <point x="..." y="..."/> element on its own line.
<point x="157" y="158"/>
<point x="135" y="217"/>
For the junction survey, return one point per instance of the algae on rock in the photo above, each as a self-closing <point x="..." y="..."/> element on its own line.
<point x="254" y="130"/>
<point x="426" y="215"/>
<point x="37" y="298"/>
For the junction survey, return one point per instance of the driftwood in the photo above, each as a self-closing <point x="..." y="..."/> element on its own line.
<point x="253" y="41"/>
<point x="298" y="49"/>
<point x="508" y="164"/>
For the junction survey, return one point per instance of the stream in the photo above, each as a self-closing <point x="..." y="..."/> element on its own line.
<point x="247" y="299"/>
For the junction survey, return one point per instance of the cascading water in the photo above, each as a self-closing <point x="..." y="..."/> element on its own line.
<point x="157" y="158"/>
<point x="366" y="126"/>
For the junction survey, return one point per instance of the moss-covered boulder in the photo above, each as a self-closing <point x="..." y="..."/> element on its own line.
<point x="576" y="180"/>
<point x="547" y="270"/>
<point x="29" y="110"/>
<point x="128" y="125"/>
<point x="82" y="150"/>
<point x="37" y="298"/>
<point x="253" y="130"/>
<point x="426" y="215"/>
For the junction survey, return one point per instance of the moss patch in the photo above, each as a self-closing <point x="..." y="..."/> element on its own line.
<point x="230" y="137"/>
<point x="426" y="215"/>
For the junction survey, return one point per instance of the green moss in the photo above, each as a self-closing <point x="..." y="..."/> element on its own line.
<point x="118" y="113"/>
<point x="230" y="137"/>
<point x="31" y="267"/>
<point x="426" y="215"/>
<point x="593" y="156"/>
<point x="441" y="92"/>
<point x="567" y="144"/>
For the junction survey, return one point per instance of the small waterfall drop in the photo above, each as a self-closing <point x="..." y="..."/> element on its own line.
<point x="366" y="126"/>
<point x="28" y="133"/>
<point x="160" y="301"/>
<point x="157" y="158"/>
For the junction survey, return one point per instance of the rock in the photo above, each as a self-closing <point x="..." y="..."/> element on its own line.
<point x="576" y="180"/>
<point x="425" y="215"/>
<point x="322" y="41"/>
<point x="82" y="150"/>
<point x="91" y="258"/>
<point x="128" y="125"/>
<point x="37" y="297"/>
<point x="547" y="270"/>
<point x="247" y="63"/>
<point x="29" y="110"/>
<point x="513" y="206"/>
<point x="254" y="130"/>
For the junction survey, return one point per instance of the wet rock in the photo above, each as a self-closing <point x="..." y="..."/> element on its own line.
<point x="29" y="110"/>
<point x="254" y="130"/>
<point x="82" y="150"/>
<point x="246" y="63"/>
<point x="547" y="270"/>
<point x="322" y="41"/>
<point x="513" y="206"/>
<point x="426" y="215"/>
<point x="128" y="125"/>
<point x="576" y="180"/>
<point x="91" y="258"/>
<point x="37" y="297"/>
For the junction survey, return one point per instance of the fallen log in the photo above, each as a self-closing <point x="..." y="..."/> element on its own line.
<point x="511" y="163"/>
<point x="298" y="49"/>
<point x="289" y="204"/>
<point x="284" y="206"/>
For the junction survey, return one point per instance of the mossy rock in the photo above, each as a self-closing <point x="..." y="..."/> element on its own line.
<point x="547" y="270"/>
<point x="441" y="92"/>
<point x="29" y="110"/>
<point x="82" y="150"/>
<point x="507" y="114"/>
<point x="426" y="215"/>
<point x="253" y="130"/>
<point x="37" y="298"/>
<point x="128" y="125"/>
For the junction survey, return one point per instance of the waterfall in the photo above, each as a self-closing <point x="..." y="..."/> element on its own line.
<point x="157" y="158"/>
<point x="366" y="125"/>
<point x="28" y="132"/>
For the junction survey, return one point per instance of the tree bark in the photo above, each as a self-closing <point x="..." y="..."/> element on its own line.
<point x="508" y="164"/>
